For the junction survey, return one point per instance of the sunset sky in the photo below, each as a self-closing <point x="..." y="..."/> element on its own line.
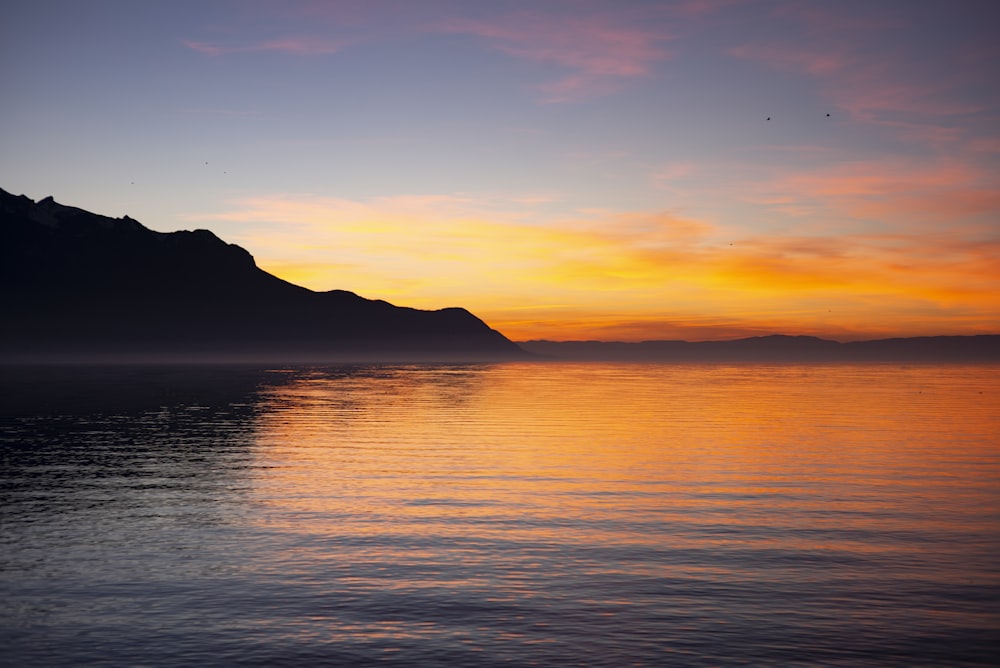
<point x="564" y="169"/>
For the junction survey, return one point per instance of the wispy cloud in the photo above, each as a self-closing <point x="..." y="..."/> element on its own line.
<point x="220" y="112"/>
<point x="866" y="87"/>
<point x="624" y="273"/>
<point x="666" y="176"/>
<point x="294" y="45"/>
<point x="893" y="193"/>
<point x="697" y="8"/>
<point x="807" y="60"/>
<point x="599" y="53"/>
<point x="876" y="67"/>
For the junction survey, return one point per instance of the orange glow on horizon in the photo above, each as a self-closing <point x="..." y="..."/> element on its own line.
<point x="607" y="275"/>
<point x="594" y="170"/>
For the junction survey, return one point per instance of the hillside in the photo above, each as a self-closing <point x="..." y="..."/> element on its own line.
<point x="74" y="283"/>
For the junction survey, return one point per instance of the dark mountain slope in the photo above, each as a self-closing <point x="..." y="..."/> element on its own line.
<point x="73" y="282"/>
<point x="779" y="348"/>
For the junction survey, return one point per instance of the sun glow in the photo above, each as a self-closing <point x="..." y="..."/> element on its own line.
<point x="627" y="169"/>
<point x="628" y="276"/>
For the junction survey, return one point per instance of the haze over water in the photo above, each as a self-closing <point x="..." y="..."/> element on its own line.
<point x="514" y="514"/>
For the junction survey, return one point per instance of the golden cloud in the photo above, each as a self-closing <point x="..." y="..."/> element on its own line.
<point x="634" y="274"/>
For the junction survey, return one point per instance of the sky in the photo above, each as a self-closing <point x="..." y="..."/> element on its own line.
<point x="587" y="169"/>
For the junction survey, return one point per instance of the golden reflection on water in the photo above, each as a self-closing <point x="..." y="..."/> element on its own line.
<point x="519" y="514"/>
<point x="598" y="453"/>
<point x="638" y="507"/>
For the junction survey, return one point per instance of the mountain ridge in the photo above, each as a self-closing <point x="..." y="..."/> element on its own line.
<point x="77" y="283"/>
<point x="778" y="348"/>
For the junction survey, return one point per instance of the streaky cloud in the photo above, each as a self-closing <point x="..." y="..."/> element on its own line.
<point x="294" y="45"/>
<point x="600" y="53"/>
<point x="605" y="268"/>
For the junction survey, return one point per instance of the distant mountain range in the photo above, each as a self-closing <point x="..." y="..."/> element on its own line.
<point x="779" y="348"/>
<point x="77" y="285"/>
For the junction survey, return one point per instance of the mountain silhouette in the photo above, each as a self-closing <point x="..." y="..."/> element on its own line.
<point x="779" y="348"/>
<point x="75" y="283"/>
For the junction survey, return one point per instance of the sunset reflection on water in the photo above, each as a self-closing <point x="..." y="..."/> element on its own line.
<point x="631" y="494"/>
<point x="497" y="515"/>
<point x="580" y="437"/>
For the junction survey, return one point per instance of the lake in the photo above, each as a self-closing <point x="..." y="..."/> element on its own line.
<point x="520" y="514"/>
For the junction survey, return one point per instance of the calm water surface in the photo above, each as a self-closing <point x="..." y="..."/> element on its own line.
<point x="508" y="515"/>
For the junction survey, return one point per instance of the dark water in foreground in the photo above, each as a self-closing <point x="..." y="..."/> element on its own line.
<point x="516" y="515"/>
